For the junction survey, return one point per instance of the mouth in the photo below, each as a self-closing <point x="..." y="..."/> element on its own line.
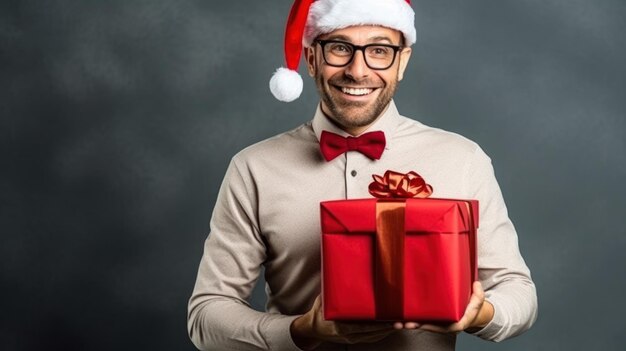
<point x="355" y="91"/>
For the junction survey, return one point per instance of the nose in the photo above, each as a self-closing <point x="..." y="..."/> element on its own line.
<point x="357" y="69"/>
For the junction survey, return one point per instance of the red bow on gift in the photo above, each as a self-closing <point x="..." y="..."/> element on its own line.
<point x="399" y="185"/>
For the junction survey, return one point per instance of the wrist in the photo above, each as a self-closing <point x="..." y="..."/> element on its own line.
<point x="484" y="316"/>
<point x="302" y="333"/>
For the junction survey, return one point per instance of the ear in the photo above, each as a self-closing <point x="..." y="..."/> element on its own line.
<point x="309" y="54"/>
<point x="405" y="55"/>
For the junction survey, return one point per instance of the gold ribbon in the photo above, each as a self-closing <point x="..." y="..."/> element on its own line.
<point x="389" y="269"/>
<point x="390" y="232"/>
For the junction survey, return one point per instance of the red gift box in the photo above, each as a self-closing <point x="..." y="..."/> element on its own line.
<point x="398" y="259"/>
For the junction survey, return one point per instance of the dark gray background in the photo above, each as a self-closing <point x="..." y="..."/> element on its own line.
<point x="118" y="119"/>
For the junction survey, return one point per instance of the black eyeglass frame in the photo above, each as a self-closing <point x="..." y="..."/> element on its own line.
<point x="361" y="48"/>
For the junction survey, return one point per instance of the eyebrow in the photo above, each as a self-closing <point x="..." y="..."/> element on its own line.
<point x="379" y="39"/>
<point x="376" y="39"/>
<point x="337" y="37"/>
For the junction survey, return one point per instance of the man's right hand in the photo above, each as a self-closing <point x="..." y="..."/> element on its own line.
<point x="310" y="330"/>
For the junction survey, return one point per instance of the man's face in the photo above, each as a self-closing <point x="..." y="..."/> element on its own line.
<point x="355" y="95"/>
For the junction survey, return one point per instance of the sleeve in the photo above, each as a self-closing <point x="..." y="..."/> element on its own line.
<point x="501" y="268"/>
<point x="219" y="316"/>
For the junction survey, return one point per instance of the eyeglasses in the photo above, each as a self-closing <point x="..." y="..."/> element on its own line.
<point x="340" y="53"/>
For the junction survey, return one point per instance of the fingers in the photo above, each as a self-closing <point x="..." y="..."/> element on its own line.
<point x="356" y="332"/>
<point x="471" y="312"/>
<point x="312" y="328"/>
<point x="317" y="304"/>
<point x="473" y="307"/>
<point x="477" y="288"/>
<point x="477" y="298"/>
<point x="411" y="325"/>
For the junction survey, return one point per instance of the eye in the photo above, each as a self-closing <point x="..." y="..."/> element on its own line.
<point x="379" y="51"/>
<point x="340" y="49"/>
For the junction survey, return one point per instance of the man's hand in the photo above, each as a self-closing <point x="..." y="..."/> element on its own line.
<point x="310" y="330"/>
<point x="477" y="315"/>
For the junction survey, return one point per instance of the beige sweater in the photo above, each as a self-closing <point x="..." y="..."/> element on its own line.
<point x="267" y="215"/>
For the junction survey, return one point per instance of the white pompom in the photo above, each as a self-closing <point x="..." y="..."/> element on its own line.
<point x="286" y="85"/>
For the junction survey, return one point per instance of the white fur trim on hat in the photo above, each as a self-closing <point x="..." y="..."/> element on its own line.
<point x="326" y="16"/>
<point x="286" y="85"/>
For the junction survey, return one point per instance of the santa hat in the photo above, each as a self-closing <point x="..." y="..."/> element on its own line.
<point x="310" y="18"/>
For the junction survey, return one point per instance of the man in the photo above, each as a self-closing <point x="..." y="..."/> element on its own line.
<point x="267" y="211"/>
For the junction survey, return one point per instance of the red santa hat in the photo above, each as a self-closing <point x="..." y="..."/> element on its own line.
<point x="310" y="18"/>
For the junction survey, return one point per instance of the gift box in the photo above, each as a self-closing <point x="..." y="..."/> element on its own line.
<point x="398" y="259"/>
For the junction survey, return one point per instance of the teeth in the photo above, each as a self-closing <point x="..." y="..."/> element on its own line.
<point x="362" y="91"/>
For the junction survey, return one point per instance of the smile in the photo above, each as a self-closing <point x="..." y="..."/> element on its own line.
<point x="357" y="91"/>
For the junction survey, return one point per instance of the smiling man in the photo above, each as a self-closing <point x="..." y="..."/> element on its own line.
<point x="267" y="211"/>
<point x="356" y="89"/>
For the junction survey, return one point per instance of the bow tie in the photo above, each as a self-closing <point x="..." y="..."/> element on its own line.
<point x="370" y="144"/>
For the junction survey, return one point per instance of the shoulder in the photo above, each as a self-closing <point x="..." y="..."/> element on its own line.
<point x="454" y="164"/>
<point x="281" y="148"/>
<point x="418" y="134"/>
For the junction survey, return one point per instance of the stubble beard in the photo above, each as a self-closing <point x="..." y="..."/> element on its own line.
<point x="351" y="114"/>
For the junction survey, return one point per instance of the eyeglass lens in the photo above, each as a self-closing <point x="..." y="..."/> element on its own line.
<point x="339" y="53"/>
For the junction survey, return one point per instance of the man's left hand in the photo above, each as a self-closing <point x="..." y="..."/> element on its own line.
<point x="477" y="315"/>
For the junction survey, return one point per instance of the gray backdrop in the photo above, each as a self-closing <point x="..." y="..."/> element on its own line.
<point x="118" y="119"/>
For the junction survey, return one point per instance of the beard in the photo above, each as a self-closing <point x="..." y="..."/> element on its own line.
<point x="353" y="114"/>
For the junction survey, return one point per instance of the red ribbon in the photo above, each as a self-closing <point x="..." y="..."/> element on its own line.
<point x="390" y="231"/>
<point x="399" y="185"/>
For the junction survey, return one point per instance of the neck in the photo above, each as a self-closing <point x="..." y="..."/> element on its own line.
<point x="352" y="130"/>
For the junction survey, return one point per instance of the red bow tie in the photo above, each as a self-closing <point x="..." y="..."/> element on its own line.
<point x="370" y="144"/>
